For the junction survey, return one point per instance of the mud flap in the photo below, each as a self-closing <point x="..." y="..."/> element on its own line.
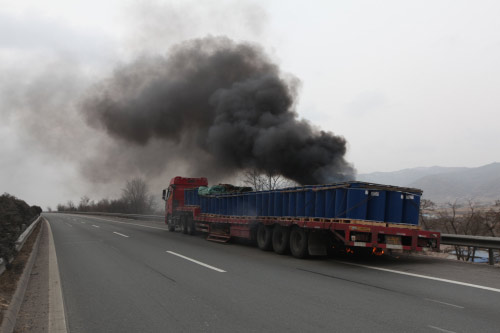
<point x="317" y="244"/>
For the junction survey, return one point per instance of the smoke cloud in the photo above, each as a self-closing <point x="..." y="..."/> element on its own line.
<point x="223" y="104"/>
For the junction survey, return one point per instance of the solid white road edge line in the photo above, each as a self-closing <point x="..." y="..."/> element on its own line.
<point x="57" y="317"/>
<point x="120" y="234"/>
<point x="441" y="329"/>
<point x="440" y="302"/>
<point x="197" y="262"/>
<point x="422" y="276"/>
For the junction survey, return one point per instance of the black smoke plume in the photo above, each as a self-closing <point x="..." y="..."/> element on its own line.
<point x="221" y="99"/>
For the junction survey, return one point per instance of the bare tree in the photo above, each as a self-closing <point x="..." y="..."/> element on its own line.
<point x="491" y="222"/>
<point x="273" y="180"/>
<point x="84" y="204"/>
<point x="254" y="179"/>
<point x="70" y="206"/>
<point x="454" y="225"/>
<point x="265" y="181"/>
<point x="136" y="196"/>
<point x="464" y="220"/>
<point x="449" y="215"/>
<point x="427" y="208"/>
<point x="102" y="205"/>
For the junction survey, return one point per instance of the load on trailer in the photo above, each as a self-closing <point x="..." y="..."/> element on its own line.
<point x="304" y="220"/>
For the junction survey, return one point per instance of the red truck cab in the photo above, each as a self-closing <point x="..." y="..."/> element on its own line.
<point x="174" y="197"/>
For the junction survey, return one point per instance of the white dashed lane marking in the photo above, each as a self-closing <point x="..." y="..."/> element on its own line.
<point x="197" y="262"/>
<point x="444" y="303"/>
<point x="441" y="329"/>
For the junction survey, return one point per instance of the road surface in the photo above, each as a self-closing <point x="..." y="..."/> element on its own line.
<point x="122" y="275"/>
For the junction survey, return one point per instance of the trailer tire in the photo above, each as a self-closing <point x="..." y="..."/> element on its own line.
<point x="281" y="239"/>
<point x="184" y="224"/>
<point x="264" y="237"/>
<point x="298" y="243"/>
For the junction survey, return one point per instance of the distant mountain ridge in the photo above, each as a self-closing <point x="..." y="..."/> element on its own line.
<point x="445" y="184"/>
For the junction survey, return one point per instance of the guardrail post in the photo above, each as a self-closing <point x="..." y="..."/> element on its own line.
<point x="491" y="257"/>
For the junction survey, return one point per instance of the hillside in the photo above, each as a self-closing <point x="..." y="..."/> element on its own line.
<point x="441" y="184"/>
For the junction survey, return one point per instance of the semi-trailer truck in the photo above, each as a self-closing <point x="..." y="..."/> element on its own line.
<point x="305" y="220"/>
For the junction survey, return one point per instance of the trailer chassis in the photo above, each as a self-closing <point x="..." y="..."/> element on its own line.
<point x="319" y="235"/>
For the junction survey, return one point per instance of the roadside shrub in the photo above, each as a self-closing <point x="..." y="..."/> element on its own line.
<point x="15" y="216"/>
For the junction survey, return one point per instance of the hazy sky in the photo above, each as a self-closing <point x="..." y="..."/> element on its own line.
<point x="407" y="83"/>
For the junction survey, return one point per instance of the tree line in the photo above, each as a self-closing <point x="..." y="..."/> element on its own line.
<point x="135" y="199"/>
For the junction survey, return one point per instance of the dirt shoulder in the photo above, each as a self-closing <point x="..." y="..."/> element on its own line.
<point x="34" y="313"/>
<point x="10" y="278"/>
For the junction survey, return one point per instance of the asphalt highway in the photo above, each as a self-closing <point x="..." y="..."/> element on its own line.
<point x="123" y="275"/>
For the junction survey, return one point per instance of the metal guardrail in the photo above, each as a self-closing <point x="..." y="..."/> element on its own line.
<point x="25" y="235"/>
<point x="19" y="243"/>
<point x="475" y="241"/>
<point x="490" y="243"/>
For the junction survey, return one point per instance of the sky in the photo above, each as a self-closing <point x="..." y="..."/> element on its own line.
<point x="406" y="83"/>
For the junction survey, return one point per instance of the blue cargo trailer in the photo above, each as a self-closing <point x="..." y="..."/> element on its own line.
<point x="303" y="219"/>
<point x="349" y="200"/>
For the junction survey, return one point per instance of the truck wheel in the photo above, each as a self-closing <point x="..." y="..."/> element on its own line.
<point x="190" y="226"/>
<point x="264" y="237"/>
<point x="171" y="226"/>
<point x="184" y="224"/>
<point x="298" y="243"/>
<point x="281" y="239"/>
